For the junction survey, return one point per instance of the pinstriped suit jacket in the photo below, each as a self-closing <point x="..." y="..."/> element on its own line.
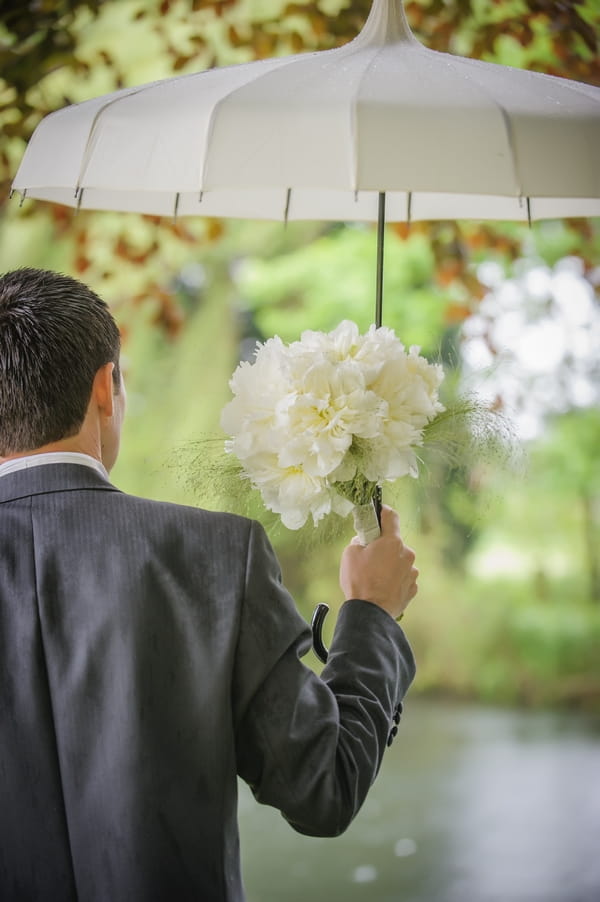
<point x="148" y="654"/>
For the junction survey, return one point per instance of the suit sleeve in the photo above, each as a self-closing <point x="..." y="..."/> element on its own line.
<point x="311" y="746"/>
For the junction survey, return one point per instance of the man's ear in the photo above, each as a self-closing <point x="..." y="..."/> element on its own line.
<point x="102" y="389"/>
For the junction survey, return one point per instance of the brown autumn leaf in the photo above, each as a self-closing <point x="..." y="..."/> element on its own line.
<point x="297" y="42"/>
<point x="456" y="313"/>
<point x="215" y="229"/>
<point x="82" y="263"/>
<point x="234" y="37"/>
<point x="263" y="43"/>
<point x="169" y="316"/>
<point x="449" y="271"/>
<point x="401" y="229"/>
<point x="180" y="61"/>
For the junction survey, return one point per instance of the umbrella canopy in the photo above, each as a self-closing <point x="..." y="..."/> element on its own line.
<point x="322" y="135"/>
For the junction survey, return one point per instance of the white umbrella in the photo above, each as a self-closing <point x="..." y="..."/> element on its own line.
<point x="320" y="135"/>
<point x="381" y="127"/>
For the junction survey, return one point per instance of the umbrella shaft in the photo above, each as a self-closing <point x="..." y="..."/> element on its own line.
<point x="380" y="237"/>
<point x="379" y="304"/>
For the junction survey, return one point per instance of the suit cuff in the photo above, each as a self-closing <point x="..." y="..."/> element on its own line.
<point x="371" y="618"/>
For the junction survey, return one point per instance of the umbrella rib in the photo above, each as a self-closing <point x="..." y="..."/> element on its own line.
<point x="353" y="109"/>
<point x="85" y="156"/>
<point x="456" y="62"/>
<point x="283" y="62"/>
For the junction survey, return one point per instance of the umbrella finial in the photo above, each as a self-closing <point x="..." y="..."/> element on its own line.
<point x="386" y="24"/>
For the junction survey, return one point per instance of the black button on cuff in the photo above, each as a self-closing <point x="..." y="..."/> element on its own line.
<point x="392" y="736"/>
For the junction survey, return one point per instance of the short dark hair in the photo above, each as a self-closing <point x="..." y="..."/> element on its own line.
<point x="55" y="334"/>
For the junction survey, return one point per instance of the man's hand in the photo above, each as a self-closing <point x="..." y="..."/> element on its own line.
<point x="381" y="572"/>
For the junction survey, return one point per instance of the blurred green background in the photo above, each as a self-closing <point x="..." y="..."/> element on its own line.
<point x="508" y="612"/>
<point x="509" y="606"/>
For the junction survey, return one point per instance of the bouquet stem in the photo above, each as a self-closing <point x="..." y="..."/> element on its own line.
<point x="366" y="522"/>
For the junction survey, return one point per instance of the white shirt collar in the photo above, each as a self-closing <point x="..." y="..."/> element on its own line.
<point x="52" y="457"/>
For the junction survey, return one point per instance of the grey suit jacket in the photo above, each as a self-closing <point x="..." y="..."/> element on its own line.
<point x="148" y="654"/>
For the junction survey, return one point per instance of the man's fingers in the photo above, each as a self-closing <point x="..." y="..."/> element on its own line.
<point x="390" y="521"/>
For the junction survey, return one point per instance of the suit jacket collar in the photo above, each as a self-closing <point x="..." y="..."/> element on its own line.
<point x="61" y="477"/>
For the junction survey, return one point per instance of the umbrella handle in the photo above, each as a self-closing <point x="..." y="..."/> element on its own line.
<point x="316" y="624"/>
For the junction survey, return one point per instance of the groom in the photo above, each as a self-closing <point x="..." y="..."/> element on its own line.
<point x="149" y="652"/>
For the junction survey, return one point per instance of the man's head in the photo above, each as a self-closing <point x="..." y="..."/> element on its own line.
<point x="55" y="336"/>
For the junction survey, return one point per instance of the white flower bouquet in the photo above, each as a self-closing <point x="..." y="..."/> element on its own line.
<point x="318" y="424"/>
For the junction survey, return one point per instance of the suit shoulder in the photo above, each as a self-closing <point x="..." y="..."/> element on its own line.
<point x="171" y="511"/>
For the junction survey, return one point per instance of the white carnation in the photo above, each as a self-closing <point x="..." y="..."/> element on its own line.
<point x="329" y="409"/>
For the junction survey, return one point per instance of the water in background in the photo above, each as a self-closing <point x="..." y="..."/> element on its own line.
<point x="472" y="804"/>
